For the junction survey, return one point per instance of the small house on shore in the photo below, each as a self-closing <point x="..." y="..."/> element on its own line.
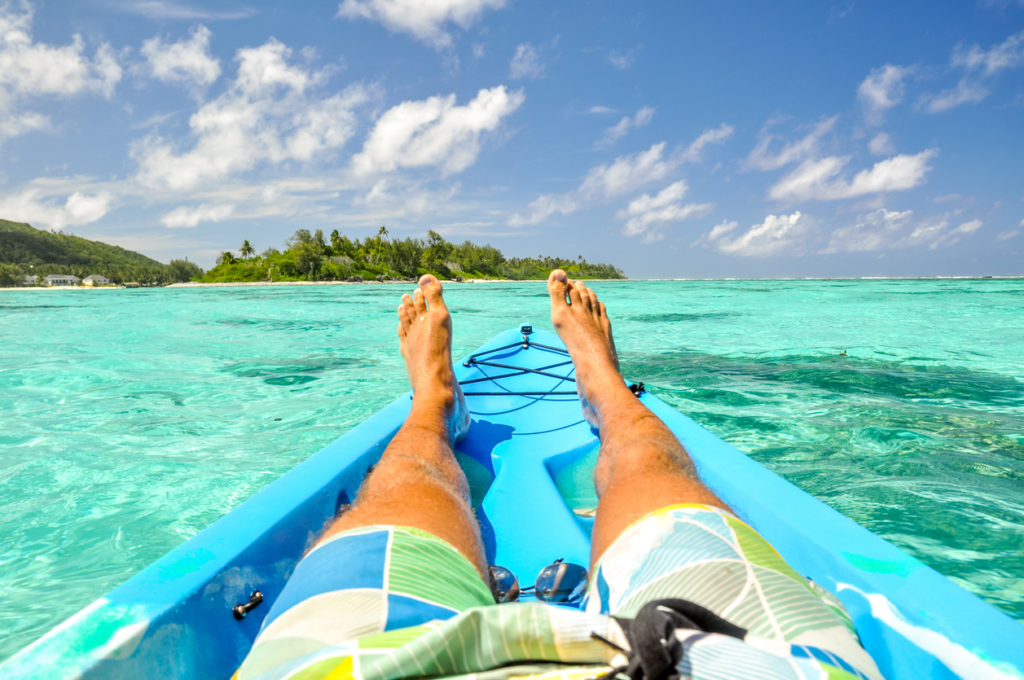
<point x="62" y="280"/>
<point x="95" y="280"/>
<point x="30" y="280"/>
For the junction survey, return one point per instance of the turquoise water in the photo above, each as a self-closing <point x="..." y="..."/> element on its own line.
<point x="131" y="419"/>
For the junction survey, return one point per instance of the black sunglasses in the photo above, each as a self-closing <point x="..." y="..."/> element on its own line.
<point x="560" y="582"/>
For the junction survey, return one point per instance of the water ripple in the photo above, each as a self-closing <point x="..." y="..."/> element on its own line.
<point x="133" y="419"/>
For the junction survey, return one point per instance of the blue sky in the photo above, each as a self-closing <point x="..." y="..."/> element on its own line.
<point x="674" y="139"/>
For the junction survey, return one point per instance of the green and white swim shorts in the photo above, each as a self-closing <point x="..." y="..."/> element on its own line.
<point x="391" y="602"/>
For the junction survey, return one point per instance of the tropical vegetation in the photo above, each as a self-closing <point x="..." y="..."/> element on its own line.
<point x="307" y="256"/>
<point x="310" y="256"/>
<point x="27" y="251"/>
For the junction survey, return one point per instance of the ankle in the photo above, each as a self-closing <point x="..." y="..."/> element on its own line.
<point x="434" y="404"/>
<point x="604" y="387"/>
<point x="614" y="405"/>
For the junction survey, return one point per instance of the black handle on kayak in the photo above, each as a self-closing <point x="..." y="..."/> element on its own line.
<point x="240" y="610"/>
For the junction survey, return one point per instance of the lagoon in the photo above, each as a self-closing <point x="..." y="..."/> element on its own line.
<point x="132" y="419"/>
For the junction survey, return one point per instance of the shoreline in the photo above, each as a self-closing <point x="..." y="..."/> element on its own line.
<point x="249" y="284"/>
<point x="239" y="284"/>
<point x="235" y="284"/>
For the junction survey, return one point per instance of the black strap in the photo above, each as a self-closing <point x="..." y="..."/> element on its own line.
<point x="654" y="650"/>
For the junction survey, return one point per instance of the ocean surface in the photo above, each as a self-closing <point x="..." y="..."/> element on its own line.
<point x="131" y="419"/>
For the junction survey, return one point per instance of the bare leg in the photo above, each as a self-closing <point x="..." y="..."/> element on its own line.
<point x="642" y="466"/>
<point x="418" y="482"/>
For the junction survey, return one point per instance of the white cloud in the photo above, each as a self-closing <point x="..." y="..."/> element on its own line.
<point x="545" y="206"/>
<point x="525" y="63"/>
<point x="156" y="120"/>
<point x="934" y="234"/>
<point x="622" y="59"/>
<point x="777" y="235"/>
<point x="954" y="235"/>
<point x="479" y="50"/>
<point x="1010" y="233"/>
<point x="763" y="157"/>
<point x="966" y="91"/>
<point x="625" y="124"/>
<point x="889" y="229"/>
<point x="166" y="9"/>
<point x="263" y="69"/>
<point x="877" y="230"/>
<point x="646" y="211"/>
<point x="186" y="62"/>
<point x="881" y="144"/>
<point x="979" y="67"/>
<point x="717" y="135"/>
<point x="722" y="228"/>
<point x="614" y="133"/>
<point x="434" y="132"/>
<point x="882" y="90"/>
<point x="807" y="180"/>
<point x="818" y="179"/>
<point x="29" y="70"/>
<point x="600" y="110"/>
<point x="968" y="227"/>
<point x="38" y="209"/>
<point x="394" y="197"/>
<point x="1007" y="54"/>
<point x="928" y="232"/>
<point x="423" y="20"/>
<point x="602" y="182"/>
<point x="610" y="180"/>
<point x="267" y="115"/>
<point x="189" y="217"/>
<point x="13" y="125"/>
<point x="625" y="173"/>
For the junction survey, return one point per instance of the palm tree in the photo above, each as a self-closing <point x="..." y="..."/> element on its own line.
<point x="382" y="234"/>
<point x="247" y="250"/>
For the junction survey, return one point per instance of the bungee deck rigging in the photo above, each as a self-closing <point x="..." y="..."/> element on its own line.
<point x="527" y="330"/>
<point x="477" y="360"/>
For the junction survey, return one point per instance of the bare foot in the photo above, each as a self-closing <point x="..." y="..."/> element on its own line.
<point x="581" y="321"/>
<point x="425" y="332"/>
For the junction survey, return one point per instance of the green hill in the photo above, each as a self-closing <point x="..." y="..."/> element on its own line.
<point x="25" y="250"/>
<point x="23" y="244"/>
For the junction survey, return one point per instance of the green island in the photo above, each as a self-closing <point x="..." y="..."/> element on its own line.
<point x="33" y="257"/>
<point x="309" y="256"/>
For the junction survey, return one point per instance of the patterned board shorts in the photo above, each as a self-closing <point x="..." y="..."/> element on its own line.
<point x="391" y="602"/>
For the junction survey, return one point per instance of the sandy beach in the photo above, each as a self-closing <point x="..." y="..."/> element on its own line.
<point x="236" y="284"/>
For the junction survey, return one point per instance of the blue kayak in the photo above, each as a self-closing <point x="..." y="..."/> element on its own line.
<point x="529" y="458"/>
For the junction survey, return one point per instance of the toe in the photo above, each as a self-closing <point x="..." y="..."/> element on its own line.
<point x="558" y="283"/>
<point x="574" y="293"/>
<point x="432" y="291"/>
<point x="418" y="301"/>
<point x="410" y="308"/>
<point x="586" y="295"/>
<point x="403" y="317"/>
